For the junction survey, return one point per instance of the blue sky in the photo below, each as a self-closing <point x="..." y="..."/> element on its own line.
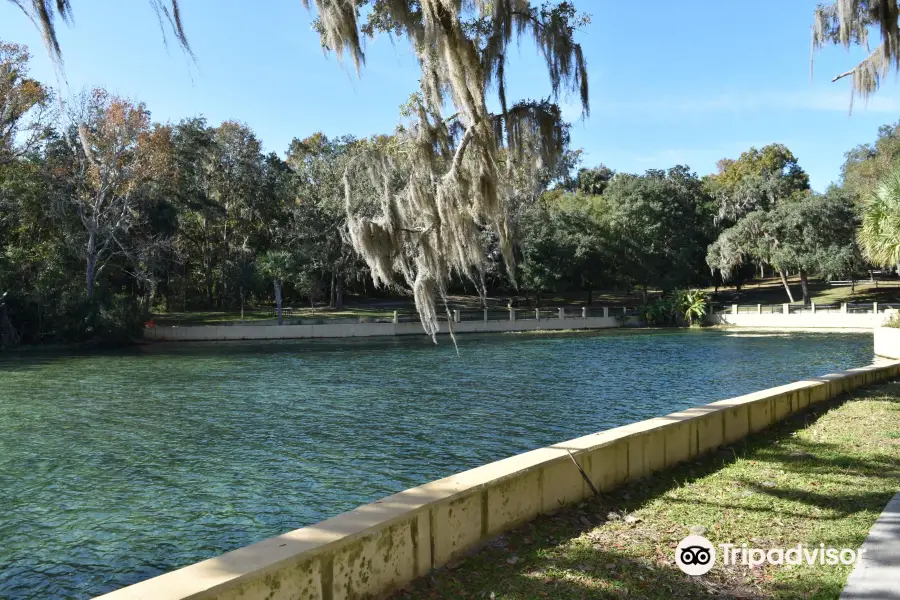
<point x="688" y="82"/>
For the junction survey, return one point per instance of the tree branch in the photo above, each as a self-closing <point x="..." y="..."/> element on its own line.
<point x="845" y="74"/>
<point x="457" y="158"/>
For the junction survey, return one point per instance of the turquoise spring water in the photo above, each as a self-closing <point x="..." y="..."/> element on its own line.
<point x="115" y="467"/>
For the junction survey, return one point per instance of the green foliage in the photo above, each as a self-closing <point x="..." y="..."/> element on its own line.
<point x="757" y="180"/>
<point x="893" y="321"/>
<point x="676" y="308"/>
<point x="278" y="265"/>
<point x="654" y="228"/>
<point x="868" y="165"/>
<point x="692" y="305"/>
<point x="592" y="182"/>
<point x="879" y="235"/>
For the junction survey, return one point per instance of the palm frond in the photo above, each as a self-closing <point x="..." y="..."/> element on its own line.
<point x="879" y="235"/>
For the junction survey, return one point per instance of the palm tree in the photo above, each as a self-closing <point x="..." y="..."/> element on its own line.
<point x="692" y="305"/>
<point x="879" y="236"/>
<point x="277" y="265"/>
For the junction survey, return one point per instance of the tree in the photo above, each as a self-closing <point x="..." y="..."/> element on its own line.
<point x="810" y="234"/>
<point x="110" y="163"/>
<point x="814" y="234"/>
<point x="318" y="163"/>
<point x="849" y="22"/>
<point x="278" y="266"/>
<point x="654" y="222"/>
<point x="757" y="182"/>
<point x="879" y="236"/>
<point x="24" y="104"/>
<point x="431" y="227"/>
<point x="547" y="255"/>
<point x="867" y="165"/>
<point x="235" y="171"/>
<point x="593" y="181"/>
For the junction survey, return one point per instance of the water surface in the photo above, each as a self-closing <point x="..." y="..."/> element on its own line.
<point x="115" y="467"/>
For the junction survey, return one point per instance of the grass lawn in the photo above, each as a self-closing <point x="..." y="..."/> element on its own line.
<point x="764" y="291"/>
<point x="255" y="315"/>
<point x="821" y="477"/>
<point x="771" y="291"/>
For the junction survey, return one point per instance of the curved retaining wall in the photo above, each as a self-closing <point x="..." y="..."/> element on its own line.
<point x="379" y="547"/>
<point x="887" y="342"/>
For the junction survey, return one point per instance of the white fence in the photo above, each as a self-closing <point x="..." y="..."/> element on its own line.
<point x="812" y="316"/>
<point x="462" y="322"/>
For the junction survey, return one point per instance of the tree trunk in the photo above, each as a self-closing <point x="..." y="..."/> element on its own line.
<point x="804" y="285"/>
<point x="784" y="282"/>
<point x="209" y="282"/>
<point x="339" y="292"/>
<point x="332" y="291"/>
<point x="91" y="269"/>
<point x="277" y="283"/>
<point x="590" y="298"/>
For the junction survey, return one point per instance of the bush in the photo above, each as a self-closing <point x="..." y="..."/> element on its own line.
<point x="675" y="309"/>
<point x="893" y="321"/>
<point x="115" y="321"/>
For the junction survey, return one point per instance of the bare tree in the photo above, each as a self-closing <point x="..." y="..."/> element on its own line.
<point x="111" y="163"/>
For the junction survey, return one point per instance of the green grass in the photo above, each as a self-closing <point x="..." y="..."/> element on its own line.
<point x="267" y="315"/>
<point x="764" y="291"/>
<point x="821" y="477"/>
<point x="771" y="291"/>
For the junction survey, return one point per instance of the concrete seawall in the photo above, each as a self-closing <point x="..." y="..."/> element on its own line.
<point x="378" y="547"/>
<point x="807" y="320"/>
<point x="887" y="342"/>
<point x="345" y="330"/>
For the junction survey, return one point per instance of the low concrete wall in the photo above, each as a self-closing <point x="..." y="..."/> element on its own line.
<point x="887" y="342"/>
<point x="343" y="330"/>
<point x="805" y="320"/>
<point x="381" y="546"/>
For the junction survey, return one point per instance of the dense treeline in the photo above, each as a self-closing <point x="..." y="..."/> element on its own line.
<point x="105" y="222"/>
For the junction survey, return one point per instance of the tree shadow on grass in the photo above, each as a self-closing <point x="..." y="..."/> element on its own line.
<point x="549" y="557"/>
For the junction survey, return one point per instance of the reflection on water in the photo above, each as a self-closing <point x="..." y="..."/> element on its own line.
<point x="115" y="467"/>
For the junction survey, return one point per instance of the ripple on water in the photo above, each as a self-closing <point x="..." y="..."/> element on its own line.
<point x="117" y="467"/>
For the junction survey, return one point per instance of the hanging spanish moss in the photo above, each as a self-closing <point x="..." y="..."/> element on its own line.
<point x="847" y="22"/>
<point x="454" y="184"/>
<point x="43" y="14"/>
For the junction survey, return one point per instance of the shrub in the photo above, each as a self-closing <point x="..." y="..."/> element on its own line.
<point x="676" y="308"/>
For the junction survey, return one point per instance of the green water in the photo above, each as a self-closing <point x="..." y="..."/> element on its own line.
<point x="120" y="466"/>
